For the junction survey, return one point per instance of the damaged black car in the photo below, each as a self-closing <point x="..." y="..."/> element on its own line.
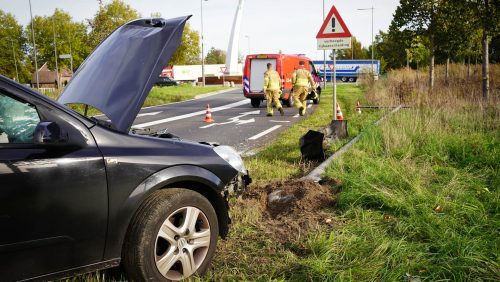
<point x="79" y="194"/>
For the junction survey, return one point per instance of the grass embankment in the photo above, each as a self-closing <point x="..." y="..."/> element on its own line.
<point x="419" y="193"/>
<point x="157" y="95"/>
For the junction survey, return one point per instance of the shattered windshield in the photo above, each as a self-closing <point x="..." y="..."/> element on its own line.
<point x="17" y="120"/>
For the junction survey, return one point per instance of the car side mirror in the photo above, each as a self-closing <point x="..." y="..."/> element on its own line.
<point x="49" y="133"/>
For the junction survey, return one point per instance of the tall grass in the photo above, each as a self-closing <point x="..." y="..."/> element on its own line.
<point x="420" y="194"/>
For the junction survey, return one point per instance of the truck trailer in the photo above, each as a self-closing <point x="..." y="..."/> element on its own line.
<point x="285" y="65"/>
<point x="348" y="70"/>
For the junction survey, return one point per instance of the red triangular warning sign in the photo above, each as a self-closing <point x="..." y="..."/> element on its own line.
<point x="333" y="26"/>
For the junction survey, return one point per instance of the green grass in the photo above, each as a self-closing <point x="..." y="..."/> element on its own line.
<point x="166" y="95"/>
<point x="420" y="196"/>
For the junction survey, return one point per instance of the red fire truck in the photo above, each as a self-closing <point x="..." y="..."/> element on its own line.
<point x="256" y="65"/>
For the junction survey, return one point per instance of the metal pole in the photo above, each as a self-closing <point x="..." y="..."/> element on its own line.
<point x="334" y="79"/>
<point x="34" y="47"/>
<point x="15" y="61"/>
<point x="324" y="53"/>
<point x="202" y="54"/>
<point x="373" y="42"/>
<point x="373" y="45"/>
<point x="70" y="56"/>
<point x="55" y="52"/>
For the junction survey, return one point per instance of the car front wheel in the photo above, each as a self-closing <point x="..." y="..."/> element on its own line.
<point x="172" y="236"/>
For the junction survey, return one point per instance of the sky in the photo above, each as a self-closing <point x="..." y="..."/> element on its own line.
<point x="267" y="26"/>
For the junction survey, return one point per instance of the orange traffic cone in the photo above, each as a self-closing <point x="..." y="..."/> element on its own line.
<point x="339" y="113"/>
<point x="358" y="108"/>
<point x="208" y="115"/>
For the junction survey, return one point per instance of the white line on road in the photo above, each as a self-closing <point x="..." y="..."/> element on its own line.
<point x="296" y="116"/>
<point x="279" y="120"/>
<point x="216" y="109"/>
<point x="148" y="114"/>
<point x="264" y="132"/>
<point x="309" y="106"/>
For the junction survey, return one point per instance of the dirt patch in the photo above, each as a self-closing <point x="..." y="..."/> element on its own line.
<point x="291" y="209"/>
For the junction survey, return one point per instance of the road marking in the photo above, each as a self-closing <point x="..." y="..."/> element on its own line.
<point x="257" y="136"/>
<point x="309" y="106"/>
<point x="296" y="116"/>
<point x="236" y="120"/>
<point x="216" y="109"/>
<point x="148" y="114"/>
<point x="279" y="120"/>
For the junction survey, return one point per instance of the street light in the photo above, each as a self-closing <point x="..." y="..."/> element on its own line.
<point x="15" y="61"/>
<point x="34" y="48"/>
<point x="373" y="43"/>
<point x="248" y="38"/>
<point x="202" y="54"/>
<point x="55" y="51"/>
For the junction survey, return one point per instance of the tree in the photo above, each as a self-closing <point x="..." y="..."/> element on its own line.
<point x="488" y="20"/>
<point x="359" y="51"/>
<point x="215" y="56"/>
<point x="69" y="35"/>
<point x="108" y="18"/>
<point x="391" y="47"/>
<point x="419" y="17"/>
<point x="188" y="52"/>
<point x="13" y="48"/>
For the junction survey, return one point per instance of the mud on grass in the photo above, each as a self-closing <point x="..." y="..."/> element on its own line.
<point x="271" y="223"/>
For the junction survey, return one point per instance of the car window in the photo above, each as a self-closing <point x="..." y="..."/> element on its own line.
<point x="17" y="121"/>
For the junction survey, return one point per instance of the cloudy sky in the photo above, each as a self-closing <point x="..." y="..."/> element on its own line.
<point x="267" y="26"/>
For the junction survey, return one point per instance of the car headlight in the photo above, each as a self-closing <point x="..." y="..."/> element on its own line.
<point x="232" y="157"/>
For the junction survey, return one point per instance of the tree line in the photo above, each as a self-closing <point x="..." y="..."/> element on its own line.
<point x="71" y="37"/>
<point x="426" y="32"/>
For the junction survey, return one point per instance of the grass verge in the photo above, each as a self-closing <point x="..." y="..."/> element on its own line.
<point x="420" y="195"/>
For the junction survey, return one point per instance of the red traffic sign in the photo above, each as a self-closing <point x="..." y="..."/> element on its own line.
<point x="334" y="33"/>
<point x="330" y="66"/>
<point x="223" y="69"/>
<point x="333" y="26"/>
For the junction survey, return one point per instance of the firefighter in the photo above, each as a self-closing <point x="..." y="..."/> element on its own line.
<point x="300" y="81"/>
<point x="272" y="89"/>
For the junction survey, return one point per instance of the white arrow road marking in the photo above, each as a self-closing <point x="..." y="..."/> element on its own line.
<point x="236" y="120"/>
<point x="165" y="120"/>
<point x="279" y="120"/>
<point x="148" y="114"/>
<point x="257" y="136"/>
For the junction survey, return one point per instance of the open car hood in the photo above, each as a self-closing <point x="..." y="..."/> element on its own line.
<point x="118" y="75"/>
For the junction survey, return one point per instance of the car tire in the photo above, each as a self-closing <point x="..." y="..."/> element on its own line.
<point x="352" y="79"/>
<point x="344" y="79"/>
<point x="172" y="236"/>
<point x="255" y="102"/>
<point x="316" y="101"/>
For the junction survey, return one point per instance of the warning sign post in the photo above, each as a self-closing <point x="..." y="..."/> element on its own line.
<point x="334" y="35"/>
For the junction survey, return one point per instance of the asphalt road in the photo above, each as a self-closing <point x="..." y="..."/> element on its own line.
<point x="236" y="123"/>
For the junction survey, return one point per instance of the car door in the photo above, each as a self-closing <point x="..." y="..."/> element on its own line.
<point x="53" y="198"/>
